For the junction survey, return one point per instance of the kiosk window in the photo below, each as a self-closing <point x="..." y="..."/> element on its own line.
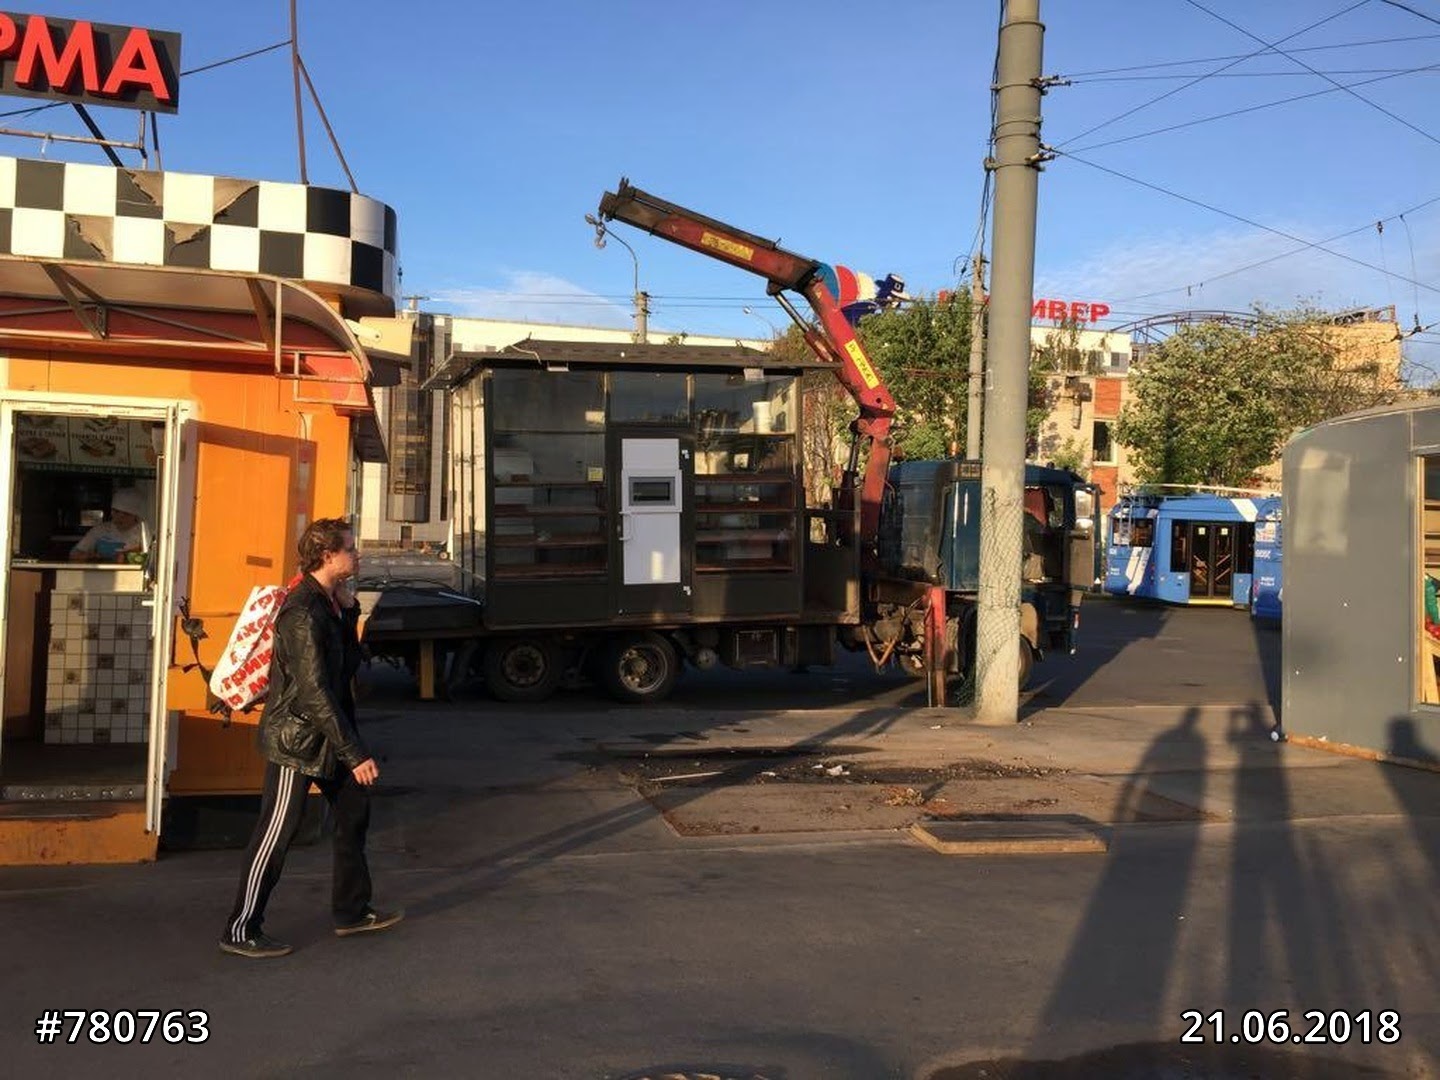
<point x="652" y="491"/>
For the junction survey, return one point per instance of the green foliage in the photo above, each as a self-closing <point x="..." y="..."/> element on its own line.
<point x="1070" y="455"/>
<point x="922" y="351"/>
<point x="1214" y="403"/>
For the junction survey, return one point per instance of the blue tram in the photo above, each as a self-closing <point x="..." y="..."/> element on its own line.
<point x="1195" y="548"/>
<point x="1265" y="588"/>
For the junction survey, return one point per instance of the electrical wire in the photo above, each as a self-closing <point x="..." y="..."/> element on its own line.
<point x="1412" y="11"/>
<point x="987" y="191"/>
<point x="1414" y="271"/>
<point x="1318" y="246"/>
<point x="1357" y="96"/>
<point x="1072" y="81"/>
<point x="32" y="110"/>
<point x="1202" y="78"/>
<point x="1251" y="108"/>
<point x="1245" y="56"/>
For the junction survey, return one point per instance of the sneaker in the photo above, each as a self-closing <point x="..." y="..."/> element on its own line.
<point x="371" y="920"/>
<point x="257" y="947"/>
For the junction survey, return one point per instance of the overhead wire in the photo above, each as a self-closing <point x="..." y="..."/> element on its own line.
<point x="1245" y="56"/>
<point x="1320" y="246"/>
<point x="1206" y="75"/>
<point x="1358" y="96"/>
<point x="33" y="109"/>
<point x="1412" y="11"/>
<point x="1072" y="81"/>
<point x="1252" y="108"/>
<point x="977" y="242"/>
<point x="1306" y="246"/>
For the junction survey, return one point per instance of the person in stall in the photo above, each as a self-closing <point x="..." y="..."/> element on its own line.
<point x="125" y="534"/>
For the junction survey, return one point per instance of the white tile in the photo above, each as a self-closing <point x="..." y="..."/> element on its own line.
<point x="327" y="258"/>
<point x="282" y="207"/>
<point x="367" y="221"/>
<point x="188" y="199"/>
<point x="139" y="240"/>
<point x="234" y="247"/>
<point x="37" y="232"/>
<point x="89" y="189"/>
<point x="7" y="181"/>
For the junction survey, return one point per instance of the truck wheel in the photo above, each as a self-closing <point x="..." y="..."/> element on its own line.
<point x="641" y="668"/>
<point x="1027" y="661"/>
<point x="522" y="668"/>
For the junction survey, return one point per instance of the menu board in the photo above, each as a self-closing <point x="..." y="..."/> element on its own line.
<point x="84" y="443"/>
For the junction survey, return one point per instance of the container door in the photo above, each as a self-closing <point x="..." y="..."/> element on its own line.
<point x="175" y="485"/>
<point x="654" y="529"/>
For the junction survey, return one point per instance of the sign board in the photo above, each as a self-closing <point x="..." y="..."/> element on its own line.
<point x="85" y="443"/>
<point x="1076" y="310"/>
<point x="89" y="63"/>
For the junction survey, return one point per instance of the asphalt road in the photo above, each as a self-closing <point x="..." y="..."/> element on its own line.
<point x="559" y="928"/>
<point x="1130" y="653"/>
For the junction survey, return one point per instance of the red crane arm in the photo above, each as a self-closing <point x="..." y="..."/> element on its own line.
<point x="833" y="340"/>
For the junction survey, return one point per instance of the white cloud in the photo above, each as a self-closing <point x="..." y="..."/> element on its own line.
<point x="1219" y="271"/>
<point x="1233" y="270"/>
<point x="531" y="296"/>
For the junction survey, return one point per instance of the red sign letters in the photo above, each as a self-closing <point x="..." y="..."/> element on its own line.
<point x="96" y="63"/>
<point x="1078" y="310"/>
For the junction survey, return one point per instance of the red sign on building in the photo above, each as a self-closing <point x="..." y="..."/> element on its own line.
<point x="89" y="63"/>
<point x="1078" y="310"/>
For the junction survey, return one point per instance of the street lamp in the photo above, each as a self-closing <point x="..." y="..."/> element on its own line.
<point x="774" y="330"/>
<point x="641" y="334"/>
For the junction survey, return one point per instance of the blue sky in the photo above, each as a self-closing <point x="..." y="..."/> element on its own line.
<point x="852" y="132"/>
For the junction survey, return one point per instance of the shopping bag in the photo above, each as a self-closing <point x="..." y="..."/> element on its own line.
<point x="241" y="676"/>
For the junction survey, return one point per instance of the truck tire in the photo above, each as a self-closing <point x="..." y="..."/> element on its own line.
<point x="522" y="668"/>
<point x="1027" y="661"/>
<point x="640" y="668"/>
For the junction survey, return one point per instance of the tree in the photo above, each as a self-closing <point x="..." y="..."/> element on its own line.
<point x="1214" y="403"/>
<point x="922" y="350"/>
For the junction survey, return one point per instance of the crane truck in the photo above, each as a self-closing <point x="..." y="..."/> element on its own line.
<point x="622" y="511"/>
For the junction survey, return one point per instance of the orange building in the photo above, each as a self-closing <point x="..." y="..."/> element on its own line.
<point x="191" y="341"/>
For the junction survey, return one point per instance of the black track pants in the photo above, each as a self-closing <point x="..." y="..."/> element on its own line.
<point x="281" y="807"/>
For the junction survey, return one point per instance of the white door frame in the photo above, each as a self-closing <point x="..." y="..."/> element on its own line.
<point x="169" y="548"/>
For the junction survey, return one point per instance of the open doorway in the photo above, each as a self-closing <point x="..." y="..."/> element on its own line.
<point x="86" y="487"/>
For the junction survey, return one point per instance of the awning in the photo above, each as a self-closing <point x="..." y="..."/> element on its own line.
<point x="164" y="314"/>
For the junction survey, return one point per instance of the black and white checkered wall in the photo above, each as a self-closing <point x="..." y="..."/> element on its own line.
<point x="66" y="210"/>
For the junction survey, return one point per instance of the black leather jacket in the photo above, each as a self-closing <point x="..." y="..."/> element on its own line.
<point x="309" y="718"/>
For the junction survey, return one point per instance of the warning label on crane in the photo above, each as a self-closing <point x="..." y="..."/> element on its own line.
<point x="862" y="364"/>
<point x="728" y="247"/>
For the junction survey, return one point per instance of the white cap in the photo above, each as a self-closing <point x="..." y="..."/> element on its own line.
<point x="128" y="501"/>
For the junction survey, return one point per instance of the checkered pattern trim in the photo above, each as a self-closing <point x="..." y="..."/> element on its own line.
<point x="66" y="210"/>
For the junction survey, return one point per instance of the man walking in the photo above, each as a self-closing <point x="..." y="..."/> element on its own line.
<point x="308" y="735"/>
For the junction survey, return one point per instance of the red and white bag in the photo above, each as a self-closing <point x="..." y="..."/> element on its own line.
<point x="241" y="676"/>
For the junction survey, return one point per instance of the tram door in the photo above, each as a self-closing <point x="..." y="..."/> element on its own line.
<point x="1206" y="549"/>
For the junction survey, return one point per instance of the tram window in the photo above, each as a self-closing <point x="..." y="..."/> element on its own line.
<point x="1245" y="554"/>
<point x="1142" y="532"/>
<point x="1180" y="547"/>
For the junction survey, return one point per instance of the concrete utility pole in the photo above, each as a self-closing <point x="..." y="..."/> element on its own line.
<point x="1012" y="282"/>
<point x="642" y="317"/>
<point x="977" y="358"/>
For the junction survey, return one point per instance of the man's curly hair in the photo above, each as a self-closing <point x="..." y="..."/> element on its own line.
<point x="321" y="536"/>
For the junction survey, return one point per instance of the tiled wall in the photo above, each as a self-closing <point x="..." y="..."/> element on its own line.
<point x="98" y="674"/>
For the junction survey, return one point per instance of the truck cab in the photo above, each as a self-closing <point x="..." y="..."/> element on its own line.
<point x="930" y="535"/>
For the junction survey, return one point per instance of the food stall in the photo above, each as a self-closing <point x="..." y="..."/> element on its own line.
<point x="189" y="347"/>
